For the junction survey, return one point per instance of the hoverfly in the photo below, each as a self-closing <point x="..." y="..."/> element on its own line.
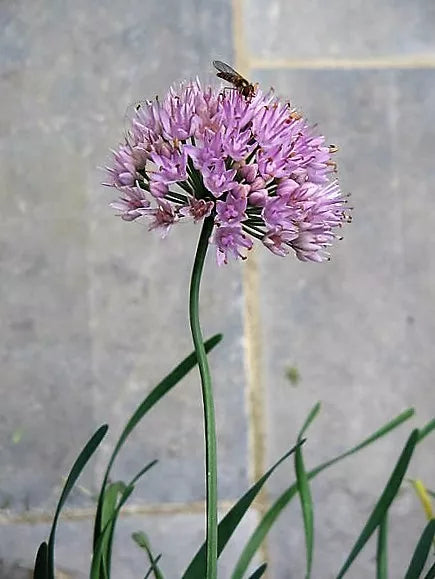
<point x="243" y="86"/>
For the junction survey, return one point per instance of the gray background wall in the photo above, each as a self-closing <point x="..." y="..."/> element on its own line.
<point x="94" y="310"/>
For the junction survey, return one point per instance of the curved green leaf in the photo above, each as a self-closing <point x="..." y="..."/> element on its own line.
<point x="153" y="566"/>
<point x="74" y="474"/>
<point x="99" y="569"/>
<point x="421" y="551"/>
<point x="281" y="503"/>
<point x="151" y="399"/>
<point x="231" y="520"/>
<point x="384" y="501"/>
<point x="259" y="572"/>
<point x="143" y="542"/>
<point x="109" y="516"/>
<point x="431" y="573"/>
<point x="426" y="430"/>
<point x="41" y="562"/>
<point x="305" y="492"/>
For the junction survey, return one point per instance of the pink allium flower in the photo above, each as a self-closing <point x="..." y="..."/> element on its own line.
<point x="252" y="163"/>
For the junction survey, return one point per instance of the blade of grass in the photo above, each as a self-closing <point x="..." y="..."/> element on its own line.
<point x="384" y="501"/>
<point x="305" y="492"/>
<point x="74" y="474"/>
<point x="151" y="399"/>
<point x="426" y="430"/>
<point x="110" y="512"/>
<point x="400" y="419"/>
<point x="142" y="541"/>
<point x="152" y="567"/>
<point x="259" y="572"/>
<point x="142" y="472"/>
<point x="98" y="567"/>
<point x="381" y="550"/>
<point x="281" y="503"/>
<point x="421" y="551"/>
<point x="110" y="501"/>
<point x="131" y="484"/>
<point x="229" y="523"/>
<point x="41" y="562"/>
<point x="431" y="573"/>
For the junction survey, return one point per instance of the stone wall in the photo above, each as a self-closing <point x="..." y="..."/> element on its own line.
<point x="94" y="310"/>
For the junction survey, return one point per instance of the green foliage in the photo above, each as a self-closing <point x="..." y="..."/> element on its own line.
<point x="171" y="380"/>
<point x="379" y="512"/>
<point x="302" y="483"/>
<point x="143" y="542"/>
<point x="259" y="572"/>
<point x="421" y="552"/>
<point x="112" y="496"/>
<point x="280" y="504"/>
<point x="44" y="565"/>
<point x="229" y="523"/>
<point x="41" y="562"/>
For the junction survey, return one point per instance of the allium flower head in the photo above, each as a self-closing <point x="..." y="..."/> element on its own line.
<point x="254" y="164"/>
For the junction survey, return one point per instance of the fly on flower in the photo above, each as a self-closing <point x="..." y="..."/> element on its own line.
<point x="254" y="164"/>
<point x="244" y="87"/>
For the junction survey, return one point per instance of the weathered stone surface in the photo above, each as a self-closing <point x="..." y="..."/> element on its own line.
<point x="95" y="310"/>
<point x="358" y="329"/>
<point x="46" y="411"/>
<point x="340" y="29"/>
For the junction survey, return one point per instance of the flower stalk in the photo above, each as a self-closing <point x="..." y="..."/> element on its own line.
<point x="207" y="400"/>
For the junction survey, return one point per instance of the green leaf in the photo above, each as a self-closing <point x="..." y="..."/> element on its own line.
<point x="110" y="501"/>
<point x="311" y="416"/>
<point x="421" y="551"/>
<point x="41" y="562"/>
<point x="384" y="501"/>
<point x="143" y="542"/>
<point x="305" y="493"/>
<point x="381" y="550"/>
<point x="431" y="573"/>
<point x="151" y="399"/>
<point x="230" y="522"/>
<point x="426" y="430"/>
<point x="281" y="503"/>
<point x="406" y="415"/>
<point x="259" y="572"/>
<point x="431" y="493"/>
<point x="74" y="474"/>
<point x="142" y="472"/>
<point x="152" y="567"/>
<point x="111" y="508"/>
<point x="98" y="567"/>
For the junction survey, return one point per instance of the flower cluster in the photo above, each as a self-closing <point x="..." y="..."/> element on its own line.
<point x="254" y="164"/>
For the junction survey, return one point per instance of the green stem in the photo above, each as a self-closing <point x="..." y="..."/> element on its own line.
<point x="207" y="400"/>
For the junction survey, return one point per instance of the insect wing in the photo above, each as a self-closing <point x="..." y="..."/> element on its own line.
<point x="225" y="68"/>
